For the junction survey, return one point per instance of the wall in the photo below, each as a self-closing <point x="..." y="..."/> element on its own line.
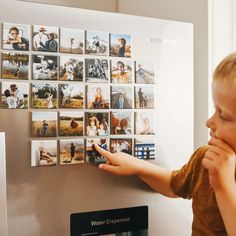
<point x="40" y="200"/>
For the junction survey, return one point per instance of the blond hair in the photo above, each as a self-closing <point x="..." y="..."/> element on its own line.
<point x="226" y="70"/>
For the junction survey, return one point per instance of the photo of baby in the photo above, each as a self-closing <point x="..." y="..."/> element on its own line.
<point x="72" y="151"/>
<point x="122" y="71"/>
<point x="121" y="45"/>
<point x="97" y="124"/>
<point x="71" y="41"/>
<point x="144" y="123"/>
<point x="16" y="37"/>
<point x="15" y="66"/>
<point x="121" y="145"/>
<point x="45" y="67"/>
<point x="98" y="97"/>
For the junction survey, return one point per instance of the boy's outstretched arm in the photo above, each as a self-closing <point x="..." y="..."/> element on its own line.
<point x="124" y="164"/>
<point x="220" y="161"/>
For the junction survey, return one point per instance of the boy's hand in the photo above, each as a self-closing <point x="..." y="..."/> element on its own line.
<point x="119" y="163"/>
<point x="220" y="161"/>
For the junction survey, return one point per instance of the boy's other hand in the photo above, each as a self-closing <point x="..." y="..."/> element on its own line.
<point x="119" y="163"/>
<point x="220" y="161"/>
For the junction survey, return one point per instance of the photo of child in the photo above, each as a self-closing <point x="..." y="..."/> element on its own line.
<point x="15" y="95"/>
<point x="44" y="124"/>
<point x="98" y="97"/>
<point x="97" y="124"/>
<point x="92" y="156"/>
<point x="44" y="95"/>
<point x="43" y="153"/>
<point x="15" y="66"/>
<point x="145" y="148"/>
<point x="16" y="37"/>
<point x="97" y="43"/>
<point x="71" y="96"/>
<point x="121" y="145"/>
<point x="121" y="122"/>
<point x="45" y="67"/>
<point x="144" y="123"/>
<point x="97" y="70"/>
<point x="71" y="41"/>
<point x="122" y="71"/>
<point x="72" y="151"/>
<point x="144" y="97"/>
<point x="120" y="45"/>
<point x="144" y="73"/>
<point x="71" y="68"/>
<point x="71" y="123"/>
<point x="121" y="97"/>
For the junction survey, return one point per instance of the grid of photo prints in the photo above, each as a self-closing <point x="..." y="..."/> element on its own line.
<point x="79" y="87"/>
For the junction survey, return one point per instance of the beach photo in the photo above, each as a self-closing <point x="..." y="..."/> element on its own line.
<point x="144" y="73"/>
<point x="144" y="97"/>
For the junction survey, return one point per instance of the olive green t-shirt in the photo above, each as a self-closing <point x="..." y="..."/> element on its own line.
<point x="192" y="182"/>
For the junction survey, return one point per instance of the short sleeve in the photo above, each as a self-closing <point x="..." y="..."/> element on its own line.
<point x="183" y="180"/>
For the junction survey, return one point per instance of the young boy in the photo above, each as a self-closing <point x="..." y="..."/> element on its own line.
<point x="209" y="176"/>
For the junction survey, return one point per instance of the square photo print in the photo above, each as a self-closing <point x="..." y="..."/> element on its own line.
<point x="98" y="97"/>
<point x="97" y="70"/>
<point x="71" y="96"/>
<point x="122" y="71"/>
<point x="144" y="73"/>
<point x="97" y="124"/>
<point x="43" y="153"/>
<point x="71" y="123"/>
<point x="45" y="67"/>
<point x="121" y="145"/>
<point x="121" y="97"/>
<point x="45" y="38"/>
<point x="15" y="66"/>
<point x="97" y="43"/>
<point x="16" y="36"/>
<point x="72" y="41"/>
<point x="71" y="68"/>
<point x="44" y="95"/>
<point x="145" y="123"/>
<point x="44" y="124"/>
<point x="72" y="151"/>
<point x="121" y="45"/>
<point x="144" y="97"/>
<point x="121" y="122"/>
<point x="145" y="148"/>
<point x="92" y="155"/>
<point x="15" y="95"/>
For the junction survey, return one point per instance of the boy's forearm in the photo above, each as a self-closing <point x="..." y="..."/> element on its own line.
<point x="226" y="201"/>
<point x="157" y="178"/>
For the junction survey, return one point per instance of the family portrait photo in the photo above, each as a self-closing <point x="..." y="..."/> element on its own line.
<point x="71" y="123"/>
<point x="16" y="37"/>
<point x="72" y="151"/>
<point x="121" y="97"/>
<point x="121" y="45"/>
<point x="43" y="152"/>
<point x="71" y="96"/>
<point x="122" y="71"/>
<point x="44" y="95"/>
<point x="121" y="122"/>
<point x="44" y="124"/>
<point x="144" y="97"/>
<point x="145" y="148"/>
<point x="144" y="73"/>
<point x="15" y="95"/>
<point x="97" y="70"/>
<point x="71" y="41"/>
<point x="144" y="123"/>
<point x="98" y="97"/>
<point x="97" y="124"/>
<point x="45" y="38"/>
<point x="97" y="43"/>
<point x="71" y="68"/>
<point x="92" y="155"/>
<point x="15" y="66"/>
<point x="121" y="145"/>
<point x="45" y="67"/>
